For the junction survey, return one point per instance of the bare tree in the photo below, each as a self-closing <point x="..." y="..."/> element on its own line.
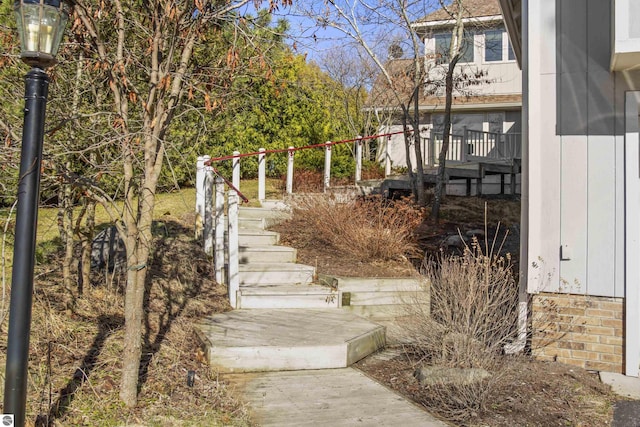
<point x="455" y="10"/>
<point x="369" y="25"/>
<point x="355" y="73"/>
<point x="145" y="53"/>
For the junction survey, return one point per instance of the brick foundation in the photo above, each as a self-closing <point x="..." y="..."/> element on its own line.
<point x="578" y="330"/>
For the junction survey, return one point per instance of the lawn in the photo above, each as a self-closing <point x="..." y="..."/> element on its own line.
<point x="176" y="203"/>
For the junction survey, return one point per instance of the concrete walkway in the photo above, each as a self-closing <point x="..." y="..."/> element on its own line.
<point x="328" y="397"/>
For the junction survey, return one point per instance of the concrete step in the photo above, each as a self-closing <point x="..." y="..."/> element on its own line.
<point x="288" y="296"/>
<point x="266" y="254"/>
<point x="270" y="216"/>
<point x="250" y="223"/>
<point x="275" y="273"/>
<point x="246" y="224"/>
<point x="249" y="237"/>
<point x="287" y="339"/>
<point x="378" y="298"/>
<point x="276" y="204"/>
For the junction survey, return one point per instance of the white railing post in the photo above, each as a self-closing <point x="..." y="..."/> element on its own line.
<point x="219" y="237"/>
<point x="432" y="147"/>
<point x="387" y="157"/>
<point x="236" y="170"/>
<point x="200" y="173"/>
<point x="464" y="146"/>
<point x="234" y="278"/>
<point x="262" y="175"/>
<point x="327" y="166"/>
<point x="358" y="159"/>
<point x="208" y="211"/>
<point x="290" y="170"/>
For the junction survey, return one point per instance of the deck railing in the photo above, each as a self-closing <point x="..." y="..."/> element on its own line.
<point x="473" y="145"/>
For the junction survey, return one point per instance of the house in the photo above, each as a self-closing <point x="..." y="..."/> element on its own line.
<point x="487" y="97"/>
<point x="580" y="260"/>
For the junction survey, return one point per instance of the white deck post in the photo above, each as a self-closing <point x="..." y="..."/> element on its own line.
<point x="262" y="175"/>
<point x="208" y="217"/>
<point x="327" y="166"/>
<point x="234" y="278"/>
<point x="358" y="159"/>
<point x="236" y="170"/>
<point x="290" y="170"/>
<point x="387" y="157"/>
<point x="219" y="236"/>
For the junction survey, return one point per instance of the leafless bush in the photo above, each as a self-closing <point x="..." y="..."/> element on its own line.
<point x="365" y="229"/>
<point x="471" y="315"/>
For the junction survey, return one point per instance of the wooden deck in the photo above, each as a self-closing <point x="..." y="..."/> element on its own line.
<point x="476" y="169"/>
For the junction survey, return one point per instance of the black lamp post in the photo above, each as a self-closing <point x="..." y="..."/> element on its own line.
<point x="41" y="26"/>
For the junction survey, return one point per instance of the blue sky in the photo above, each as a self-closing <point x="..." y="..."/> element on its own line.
<point x="308" y="36"/>
<point x="375" y="21"/>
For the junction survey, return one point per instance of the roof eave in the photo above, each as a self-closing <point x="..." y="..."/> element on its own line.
<point x="451" y="22"/>
<point x="512" y="13"/>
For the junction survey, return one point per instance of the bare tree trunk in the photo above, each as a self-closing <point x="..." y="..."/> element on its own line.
<point x="68" y="244"/>
<point x="420" y="194"/>
<point x="455" y="51"/>
<point x="442" y="157"/>
<point x="86" y="238"/>
<point x="138" y="242"/>
<point x="65" y="229"/>
<point x="407" y="153"/>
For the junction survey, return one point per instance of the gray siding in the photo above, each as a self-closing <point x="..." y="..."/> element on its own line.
<point x="589" y="115"/>
<point x="585" y="89"/>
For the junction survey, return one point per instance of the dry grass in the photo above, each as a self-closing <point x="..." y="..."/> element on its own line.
<point x="74" y="371"/>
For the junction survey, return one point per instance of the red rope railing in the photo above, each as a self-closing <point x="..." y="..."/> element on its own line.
<point x="230" y="185"/>
<point x="306" y="147"/>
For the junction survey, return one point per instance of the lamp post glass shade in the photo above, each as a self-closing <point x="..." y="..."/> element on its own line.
<point x="41" y="25"/>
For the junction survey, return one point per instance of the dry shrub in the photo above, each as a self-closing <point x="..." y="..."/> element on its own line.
<point x="306" y="181"/>
<point x="311" y="181"/>
<point x="366" y="228"/>
<point x="471" y="315"/>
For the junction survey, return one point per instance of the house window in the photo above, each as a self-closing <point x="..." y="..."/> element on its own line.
<point x="493" y="45"/>
<point x="497" y="47"/>
<point x="443" y="44"/>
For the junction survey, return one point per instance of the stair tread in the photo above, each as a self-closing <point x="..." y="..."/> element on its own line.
<point x="285" y="289"/>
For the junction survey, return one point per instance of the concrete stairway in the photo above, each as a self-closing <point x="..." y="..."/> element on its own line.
<point x="287" y="317"/>
<point x="269" y="275"/>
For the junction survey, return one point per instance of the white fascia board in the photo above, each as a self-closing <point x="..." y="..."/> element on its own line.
<point x="452" y="22"/>
<point x="463" y="107"/>
<point x="477" y="107"/>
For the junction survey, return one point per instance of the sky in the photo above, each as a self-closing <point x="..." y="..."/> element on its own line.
<point x="307" y="37"/>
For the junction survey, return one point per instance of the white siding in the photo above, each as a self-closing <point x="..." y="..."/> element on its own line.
<point x="619" y="217"/>
<point x="601" y="212"/>
<point x="544" y="151"/>
<point x="632" y="292"/>
<point x="573" y="214"/>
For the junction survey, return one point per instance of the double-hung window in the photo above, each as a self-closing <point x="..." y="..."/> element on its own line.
<point x="443" y="45"/>
<point x="497" y="47"/>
